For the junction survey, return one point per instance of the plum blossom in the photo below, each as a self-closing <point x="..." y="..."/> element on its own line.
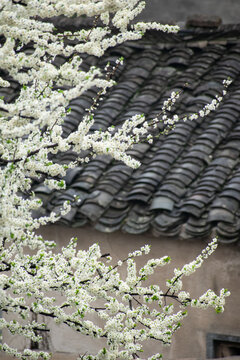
<point x="33" y="275"/>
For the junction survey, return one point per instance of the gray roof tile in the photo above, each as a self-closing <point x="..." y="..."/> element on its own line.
<point x="189" y="182"/>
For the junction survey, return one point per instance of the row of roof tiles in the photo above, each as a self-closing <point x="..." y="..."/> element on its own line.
<point x="189" y="182"/>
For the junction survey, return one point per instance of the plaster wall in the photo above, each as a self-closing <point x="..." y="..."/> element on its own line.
<point x="66" y="356"/>
<point x="220" y="270"/>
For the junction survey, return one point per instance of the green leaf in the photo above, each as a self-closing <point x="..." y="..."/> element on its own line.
<point x="61" y="184"/>
<point x="218" y="309"/>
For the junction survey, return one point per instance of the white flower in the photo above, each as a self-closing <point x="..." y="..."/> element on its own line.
<point x="31" y="133"/>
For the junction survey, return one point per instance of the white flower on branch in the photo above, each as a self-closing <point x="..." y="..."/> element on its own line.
<point x="30" y="133"/>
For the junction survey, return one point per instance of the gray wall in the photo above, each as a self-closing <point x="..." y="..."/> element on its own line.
<point x="178" y="10"/>
<point x="221" y="270"/>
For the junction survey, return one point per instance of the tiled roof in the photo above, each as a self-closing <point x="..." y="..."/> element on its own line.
<point x="189" y="182"/>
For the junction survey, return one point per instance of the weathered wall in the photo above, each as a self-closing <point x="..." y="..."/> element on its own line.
<point x="220" y="270"/>
<point x="65" y="356"/>
<point x="178" y="10"/>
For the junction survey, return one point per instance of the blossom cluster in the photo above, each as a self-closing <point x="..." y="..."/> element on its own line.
<point x="85" y="278"/>
<point x="171" y="121"/>
<point x="30" y="134"/>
